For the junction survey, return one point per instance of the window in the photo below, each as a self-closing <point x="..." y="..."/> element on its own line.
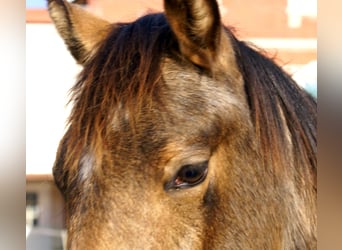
<point x="32" y="212"/>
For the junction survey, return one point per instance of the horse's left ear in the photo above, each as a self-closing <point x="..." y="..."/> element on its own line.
<point x="199" y="31"/>
<point x="80" y="30"/>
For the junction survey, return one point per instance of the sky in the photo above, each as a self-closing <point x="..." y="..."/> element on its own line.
<point x="36" y="3"/>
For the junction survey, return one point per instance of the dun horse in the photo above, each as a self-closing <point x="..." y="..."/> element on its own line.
<point x="182" y="137"/>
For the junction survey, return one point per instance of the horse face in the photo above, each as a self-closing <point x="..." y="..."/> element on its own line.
<point x="154" y="183"/>
<point x="160" y="182"/>
<point x="161" y="151"/>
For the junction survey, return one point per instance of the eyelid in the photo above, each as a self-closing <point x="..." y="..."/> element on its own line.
<point x="178" y="156"/>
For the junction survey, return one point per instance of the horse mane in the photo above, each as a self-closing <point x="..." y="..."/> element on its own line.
<point x="280" y="109"/>
<point x="126" y="69"/>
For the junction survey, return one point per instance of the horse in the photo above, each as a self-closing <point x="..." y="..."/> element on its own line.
<point x="182" y="136"/>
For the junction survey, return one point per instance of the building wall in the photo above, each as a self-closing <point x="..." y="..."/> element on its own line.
<point x="50" y="73"/>
<point x="50" y="206"/>
<point x="47" y="230"/>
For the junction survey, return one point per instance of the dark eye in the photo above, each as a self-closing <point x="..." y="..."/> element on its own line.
<point x="189" y="176"/>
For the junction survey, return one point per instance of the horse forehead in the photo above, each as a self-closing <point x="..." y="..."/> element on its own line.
<point x="187" y="84"/>
<point x="187" y="104"/>
<point x="185" y="93"/>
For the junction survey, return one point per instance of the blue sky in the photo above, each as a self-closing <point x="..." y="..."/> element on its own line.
<point x="36" y="3"/>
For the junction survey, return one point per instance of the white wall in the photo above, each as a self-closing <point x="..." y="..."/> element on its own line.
<point x="50" y="73"/>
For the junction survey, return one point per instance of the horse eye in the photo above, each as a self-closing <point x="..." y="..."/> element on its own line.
<point x="190" y="175"/>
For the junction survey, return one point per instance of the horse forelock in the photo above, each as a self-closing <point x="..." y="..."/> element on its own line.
<point x="117" y="80"/>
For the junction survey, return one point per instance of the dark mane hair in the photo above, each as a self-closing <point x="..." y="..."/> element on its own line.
<point x="274" y="98"/>
<point x="106" y="82"/>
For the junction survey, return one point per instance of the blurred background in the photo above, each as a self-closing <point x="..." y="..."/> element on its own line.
<point x="286" y="29"/>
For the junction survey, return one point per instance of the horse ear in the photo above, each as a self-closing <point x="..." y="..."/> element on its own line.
<point x="80" y="30"/>
<point x="197" y="26"/>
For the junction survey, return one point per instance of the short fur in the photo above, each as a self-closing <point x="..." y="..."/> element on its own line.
<point x="167" y="91"/>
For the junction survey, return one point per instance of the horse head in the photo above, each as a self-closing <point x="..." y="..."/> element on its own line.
<point x="182" y="137"/>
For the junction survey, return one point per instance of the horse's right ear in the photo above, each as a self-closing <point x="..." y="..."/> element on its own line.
<point x="81" y="31"/>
